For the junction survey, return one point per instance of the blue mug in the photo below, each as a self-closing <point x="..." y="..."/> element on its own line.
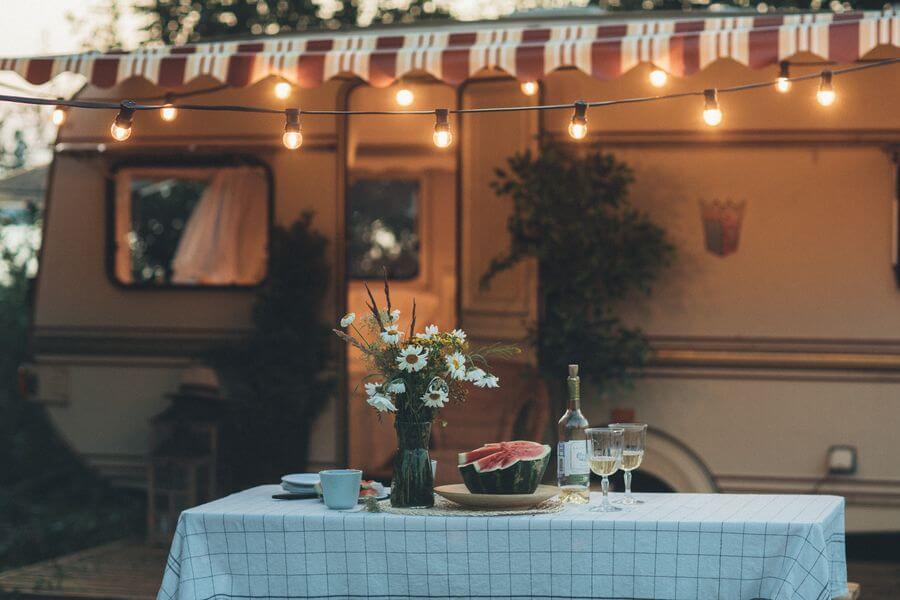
<point x="340" y="487"/>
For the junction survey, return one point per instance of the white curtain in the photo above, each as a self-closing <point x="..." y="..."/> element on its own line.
<point x="224" y="242"/>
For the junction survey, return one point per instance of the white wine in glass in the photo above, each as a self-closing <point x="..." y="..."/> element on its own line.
<point x="631" y="459"/>
<point x="633" y="442"/>
<point x="604" y="466"/>
<point x="605" y="459"/>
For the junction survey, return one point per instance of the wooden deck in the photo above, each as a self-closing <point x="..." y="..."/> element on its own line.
<point x="123" y="570"/>
<point x="132" y="570"/>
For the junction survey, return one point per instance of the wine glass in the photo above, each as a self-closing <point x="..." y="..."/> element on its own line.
<point x="605" y="456"/>
<point x="634" y="438"/>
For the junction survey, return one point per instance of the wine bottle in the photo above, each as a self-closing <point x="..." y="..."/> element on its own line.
<point x="573" y="473"/>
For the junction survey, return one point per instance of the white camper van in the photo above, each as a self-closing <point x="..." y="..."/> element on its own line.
<point x="776" y="335"/>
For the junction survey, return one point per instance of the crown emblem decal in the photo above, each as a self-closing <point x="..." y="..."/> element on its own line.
<point x="722" y="225"/>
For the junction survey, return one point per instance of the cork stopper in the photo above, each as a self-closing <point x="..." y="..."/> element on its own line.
<point x="573" y="370"/>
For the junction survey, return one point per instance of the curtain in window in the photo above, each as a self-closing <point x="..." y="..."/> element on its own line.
<point x="224" y="241"/>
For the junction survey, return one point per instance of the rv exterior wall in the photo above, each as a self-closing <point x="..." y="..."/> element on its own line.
<point x="811" y="276"/>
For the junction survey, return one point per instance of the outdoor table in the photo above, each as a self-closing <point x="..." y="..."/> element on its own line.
<point x="726" y="546"/>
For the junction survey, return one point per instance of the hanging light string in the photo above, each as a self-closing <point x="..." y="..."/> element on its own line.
<point x="112" y="105"/>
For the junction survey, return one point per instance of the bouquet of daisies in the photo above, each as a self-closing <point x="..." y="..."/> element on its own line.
<point x="415" y="374"/>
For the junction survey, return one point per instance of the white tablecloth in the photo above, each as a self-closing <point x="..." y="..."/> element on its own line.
<point x="692" y="546"/>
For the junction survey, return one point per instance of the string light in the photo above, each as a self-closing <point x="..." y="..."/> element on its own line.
<point x="529" y="88"/>
<point x="121" y="126"/>
<point x="283" y="90"/>
<point x="712" y="114"/>
<point x="826" y="95"/>
<point x="442" y="137"/>
<point x="59" y="115"/>
<point x="783" y="83"/>
<point x="292" y="138"/>
<point x="578" y="124"/>
<point x="168" y="111"/>
<point x="658" y="78"/>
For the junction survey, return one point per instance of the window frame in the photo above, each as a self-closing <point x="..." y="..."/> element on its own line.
<point x="182" y="162"/>
<point x="364" y="175"/>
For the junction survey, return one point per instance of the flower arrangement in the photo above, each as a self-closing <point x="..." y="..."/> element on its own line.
<point x="415" y="374"/>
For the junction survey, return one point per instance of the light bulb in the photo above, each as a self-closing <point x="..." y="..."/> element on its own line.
<point x="121" y="126"/>
<point x="712" y="114"/>
<point x="292" y="138"/>
<point x="282" y="90"/>
<point x="783" y="83"/>
<point x="120" y="133"/>
<point x="578" y="130"/>
<point x="442" y="137"/>
<point x="58" y="117"/>
<point x="826" y="95"/>
<point x="529" y="88"/>
<point x="168" y="112"/>
<point x="404" y="97"/>
<point x="658" y="78"/>
<point x="578" y="124"/>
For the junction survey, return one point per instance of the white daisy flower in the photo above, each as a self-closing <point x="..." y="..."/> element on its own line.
<point x="435" y="398"/>
<point x="430" y="332"/>
<point x="459" y="334"/>
<point x="382" y="403"/>
<point x="347" y="319"/>
<point x="395" y="315"/>
<point x="372" y="389"/>
<point x="456" y="365"/>
<point x="412" y="359"/>
<point x="488" y="381"/>
<point x="390" y="335"/>
<point x="396" y="387"/>
<point x="475" y="374"/>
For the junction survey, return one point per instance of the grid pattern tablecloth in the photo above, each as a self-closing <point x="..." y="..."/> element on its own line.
<point x="674" y="546"/>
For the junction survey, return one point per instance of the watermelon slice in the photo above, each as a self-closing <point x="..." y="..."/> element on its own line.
<point x="504" y="467"/>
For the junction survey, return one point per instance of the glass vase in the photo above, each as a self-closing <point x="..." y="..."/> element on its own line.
<point x="413" y="483"/>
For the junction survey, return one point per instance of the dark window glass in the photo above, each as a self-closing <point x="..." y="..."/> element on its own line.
<point x="190" y="226"/>
<point x="382" y="229"/>
<point x="160" y="209"/>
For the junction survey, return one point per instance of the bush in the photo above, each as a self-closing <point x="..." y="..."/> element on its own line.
<point x="276" y="377"/>
<point x="594" y="250"/>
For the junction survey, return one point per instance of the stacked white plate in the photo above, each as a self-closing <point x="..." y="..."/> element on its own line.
<point x="300" y="483"/>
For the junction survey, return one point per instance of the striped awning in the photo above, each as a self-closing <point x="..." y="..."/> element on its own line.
<point x="601" y="48"/>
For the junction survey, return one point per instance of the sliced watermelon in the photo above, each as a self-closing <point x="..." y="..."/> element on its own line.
<point x="504" y="467"/>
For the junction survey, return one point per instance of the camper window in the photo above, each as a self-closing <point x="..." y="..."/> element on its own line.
<point x="382" y="228"/>
<point x="190" y="226"/>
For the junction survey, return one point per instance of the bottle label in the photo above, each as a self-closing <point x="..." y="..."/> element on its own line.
<point x="573" y="458"/>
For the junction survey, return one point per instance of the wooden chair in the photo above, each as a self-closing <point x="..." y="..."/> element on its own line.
<point x="519" y="409"/>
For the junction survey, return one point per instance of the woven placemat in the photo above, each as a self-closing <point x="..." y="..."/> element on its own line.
<point x="444" y="508"/>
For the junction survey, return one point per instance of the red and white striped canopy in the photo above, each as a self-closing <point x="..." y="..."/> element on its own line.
<point x="600" y="47"/>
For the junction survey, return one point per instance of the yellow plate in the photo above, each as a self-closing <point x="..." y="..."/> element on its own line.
<point x="461" y="495"/>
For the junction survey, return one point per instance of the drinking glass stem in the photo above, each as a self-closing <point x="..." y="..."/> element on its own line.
<point x="628" y="486"/>
<point x="604" y="485"/>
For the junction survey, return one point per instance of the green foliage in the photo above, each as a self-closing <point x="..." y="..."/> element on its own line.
<point x="276" y="376"/>
<point x="50" y="502"/>
<point x="594" y="250"/>
<point x="176" y="21"/>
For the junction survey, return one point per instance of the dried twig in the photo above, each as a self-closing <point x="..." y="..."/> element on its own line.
<point x="412" y="324"/>
<point x="387" y="290"/>
<point x="352" y="341"/>
<point x="374" y="306"/>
